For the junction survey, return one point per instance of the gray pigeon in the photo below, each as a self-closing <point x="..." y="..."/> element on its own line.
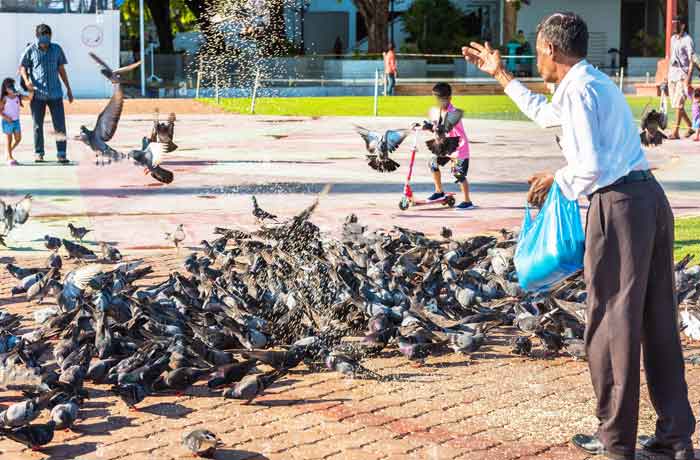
<point x="379" y="146"/>
<point x="14" y="214"/>
<point x="202" y="443"/>
<point x="78" y="233"/>
<point x="108" y="120"/>
<point x="150" y="158"/>
<point x="64" y="415"/>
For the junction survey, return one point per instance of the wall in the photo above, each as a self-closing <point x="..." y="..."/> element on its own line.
<point x="71" y="31"/>
<point x="602" y="17"/>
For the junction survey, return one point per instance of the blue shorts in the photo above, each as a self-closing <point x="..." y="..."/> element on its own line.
<point x="9" y="127"/>
<point x="696" y="123"/>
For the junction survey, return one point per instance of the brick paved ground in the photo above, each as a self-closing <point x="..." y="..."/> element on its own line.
<point x="491" y="405"/>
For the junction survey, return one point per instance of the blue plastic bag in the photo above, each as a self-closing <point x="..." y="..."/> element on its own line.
<point x="550" y="248"/>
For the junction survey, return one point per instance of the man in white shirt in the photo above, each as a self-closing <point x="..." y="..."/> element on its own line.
<point x="680" y="74"/>
<point x="628" y="264"/>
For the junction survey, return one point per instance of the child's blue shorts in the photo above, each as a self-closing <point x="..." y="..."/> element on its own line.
<point x="696" y="123"/>
<point x="9" y="127"/>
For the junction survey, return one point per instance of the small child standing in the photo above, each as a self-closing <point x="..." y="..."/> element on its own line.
<point x="460" y="158"/>
<point x="696" y="114"/>
<point x="10" y="103"/>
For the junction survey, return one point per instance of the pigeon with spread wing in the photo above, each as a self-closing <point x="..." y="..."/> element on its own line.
<point x="108" y="120"/>
<point x="379" y="146"/>
<point x="150" y="159"/>
<point x="162" y="132"/>
<point x="14" y="214"/>
<point x="442" y="145"/>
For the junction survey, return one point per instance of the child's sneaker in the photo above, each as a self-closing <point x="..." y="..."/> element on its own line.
<point x="465" y="206"/>
<point x="12" y="162"/>
<point x="436" y="196"/>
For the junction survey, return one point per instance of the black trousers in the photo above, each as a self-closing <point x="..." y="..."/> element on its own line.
<point x="632" y="304"/>
<point x="58" y="117"/>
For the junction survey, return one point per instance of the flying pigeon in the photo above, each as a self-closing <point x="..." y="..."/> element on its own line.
<point x="108" y="120"/>
<point x="177" y="237"/>
<point x="379" y="146"/>
<point x="162" y="132"/>
<point x="14" y="214"/>
<point x="150" y="159"/>
<point x="443" y="145"/>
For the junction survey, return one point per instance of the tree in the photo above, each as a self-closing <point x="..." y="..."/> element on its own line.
<point x="204" y="11"/>
<point x="435" y="26"/>
<point x="376" y="16"/>
<point x="160" y="13"/>
<point x="510" y="18"/>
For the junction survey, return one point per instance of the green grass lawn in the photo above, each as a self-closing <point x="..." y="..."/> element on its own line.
<point x="498" y="107"/>
<point x="688" y="238"/>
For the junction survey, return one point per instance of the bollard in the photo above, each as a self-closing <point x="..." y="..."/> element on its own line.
<point x="376" y="91"/>
<point x="255" y="91"/>
<point x="216" y="87"/>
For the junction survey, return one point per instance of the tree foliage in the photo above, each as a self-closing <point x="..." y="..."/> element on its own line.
<point x="435" y="26"/>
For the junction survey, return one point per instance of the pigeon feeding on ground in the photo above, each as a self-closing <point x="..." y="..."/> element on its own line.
<point x="14" y="214"/>
<point x="379" y="146"/>
<point x="110" y="253"/>
<point x="77" y="251"/>
<point x="52" y="243"/>
<point x="443" y="145"/>
<point x="78" y="233"/>
<point x="202" y="443"/>
<point x="259" y="213"/>
<point x="108" y="120"/>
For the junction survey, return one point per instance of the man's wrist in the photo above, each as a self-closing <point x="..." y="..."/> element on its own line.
<point x="503" y="77"/>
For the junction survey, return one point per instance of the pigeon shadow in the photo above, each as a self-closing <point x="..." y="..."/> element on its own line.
<point x="169" y="410"/>
<point x="232" y="454"/>
<point x="63" y="451"/>
<point x="106" y="426"/>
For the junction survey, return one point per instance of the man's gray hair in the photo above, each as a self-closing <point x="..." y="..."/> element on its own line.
<point x="568" y="33"/>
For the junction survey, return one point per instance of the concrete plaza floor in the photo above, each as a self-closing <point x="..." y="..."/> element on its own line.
<point x="490" y="406"/>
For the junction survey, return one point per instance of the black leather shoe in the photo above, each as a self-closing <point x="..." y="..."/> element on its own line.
<point x="651" y="444"/>
<point x="592" y="446"/>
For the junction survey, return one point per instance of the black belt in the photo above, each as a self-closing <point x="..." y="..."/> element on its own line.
<point x="631" y="178"/>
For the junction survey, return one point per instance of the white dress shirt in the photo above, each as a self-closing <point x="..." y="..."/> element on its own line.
<point x="600" y="139"/>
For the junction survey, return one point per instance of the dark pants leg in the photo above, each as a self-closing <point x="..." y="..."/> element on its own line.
<point x="58" y="117"/>
<point x="629" y="276"/>
<point x="390" y="84"/>
<point x="38" y="108"/>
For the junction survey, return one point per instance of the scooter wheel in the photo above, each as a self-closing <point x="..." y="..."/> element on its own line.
<point x="450" y="201"/>
<point x="403" y="204"/>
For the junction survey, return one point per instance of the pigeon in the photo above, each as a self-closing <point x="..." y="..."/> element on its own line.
<point x="20" y="273"/>
<point x="54" y="261"/>
<point x="652" y="125"/>
<point x="379" y="146"/>
<point x="64" y="415"/>
<point x="465" y="342"/>
<point x="521" y="345"/>
<point x="177" y="237"/>
<point x="252" y="385"/>
<point x="108" y="120"/>
<point x="230" y="373"/>
<point x="162" y="132"/>
<point x="180" y="379"/>
<point x="14" y="214"/>
<point x="150" y="159"/>
<point x="348" y="366"/>
<point x="76" y="251"/>
<point x="260" y="214"/>
<point x="443" y="145"/>
<point x="26" y="283"/>
<point x="130" y="393"/>
<point x="32" y="436"/>
<point x="78" y="233"/>
<point x="40" y="289"/>
<point x="52" y="243"/>
<point x="280" y="360"/>
<point x="110" y="253"/>
<point x="202" y="443"/>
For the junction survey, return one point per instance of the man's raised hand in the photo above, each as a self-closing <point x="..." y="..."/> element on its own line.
<point x="484" y="57"/>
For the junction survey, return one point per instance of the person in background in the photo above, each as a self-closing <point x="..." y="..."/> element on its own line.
<point x="390" y="69"/>
<point x="42" y="68"/>
<point x="520" y="37"/>
<point x="10" y="103"/>
<point x="680" y="74"/>
<point x="696" y="114"/>
<point x="338" y="47"/>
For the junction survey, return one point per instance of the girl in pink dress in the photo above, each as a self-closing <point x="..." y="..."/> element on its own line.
<point x="10" y="103"/>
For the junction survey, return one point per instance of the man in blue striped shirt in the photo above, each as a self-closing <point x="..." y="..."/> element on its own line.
<point x="42" y="64"/>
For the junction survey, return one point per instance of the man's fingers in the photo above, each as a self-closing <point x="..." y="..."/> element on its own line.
<point x="487" y="47"/>
<point x="477" y="46"/>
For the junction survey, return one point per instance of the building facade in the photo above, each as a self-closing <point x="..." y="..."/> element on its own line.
<point x="79" y="26"/>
